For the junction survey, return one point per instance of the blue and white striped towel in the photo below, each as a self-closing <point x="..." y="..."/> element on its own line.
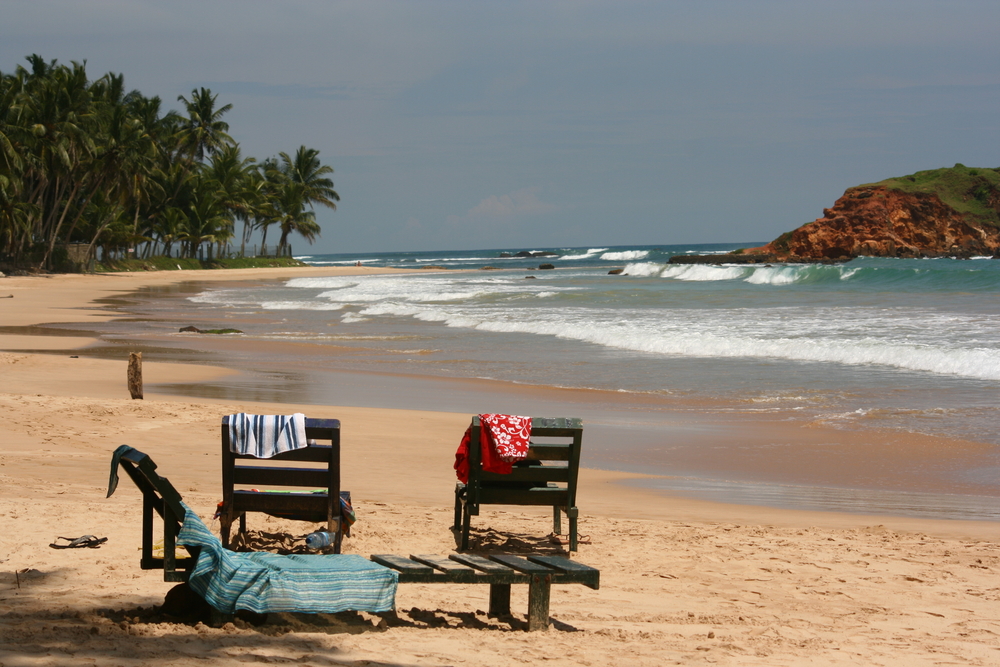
<point x="268" y="582"/>
<point x="264" y="436"/>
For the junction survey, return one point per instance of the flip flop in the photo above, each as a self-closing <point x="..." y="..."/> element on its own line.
<point x="88" y="541"/>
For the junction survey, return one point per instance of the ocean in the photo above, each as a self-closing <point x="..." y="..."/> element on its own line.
<point x="674" y="359"/>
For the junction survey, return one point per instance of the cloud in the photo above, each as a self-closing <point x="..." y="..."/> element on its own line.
<point x="520" y="202"/>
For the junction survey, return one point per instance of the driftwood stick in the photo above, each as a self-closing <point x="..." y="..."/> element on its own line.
<point x="135" y="374"/>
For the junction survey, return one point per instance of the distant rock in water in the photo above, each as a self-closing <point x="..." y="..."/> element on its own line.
<point x="615" y="272"/>
<point x="210" y="331"/>
<point x="545" y="267"/>
<point x="938" y="213"/>
<point x="535" y="253"/>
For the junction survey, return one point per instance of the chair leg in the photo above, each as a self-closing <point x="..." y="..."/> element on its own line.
<point x="466" y="526"/>
<point x="556" y="520"/>
<point x="226" y="525"/>
<point x="243" y="523"/>
<point x="338" y="534"/>
<point x="459" y="492"/>
<point x="573" y="513"/>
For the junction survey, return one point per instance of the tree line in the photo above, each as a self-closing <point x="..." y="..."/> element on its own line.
<point x="89" y="162"/>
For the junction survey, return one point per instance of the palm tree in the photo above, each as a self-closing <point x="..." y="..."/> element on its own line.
<point x="299" y="183"/>
<point x="306" y="169"/>
<point x="92" y="162"/>
<point x="206" y="220"/>
<point x="204" y="131"/>
<point x="233" y="177"/>
<point x="294" y="217"/>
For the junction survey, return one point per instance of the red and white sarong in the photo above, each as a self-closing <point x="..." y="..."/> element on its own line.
<point x="503" y="440"/>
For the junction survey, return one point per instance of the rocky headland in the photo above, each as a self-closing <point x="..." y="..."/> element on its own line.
<point x="951" y="212"/>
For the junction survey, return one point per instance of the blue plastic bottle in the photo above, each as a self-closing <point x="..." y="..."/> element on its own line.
<point x="318" y="540"/>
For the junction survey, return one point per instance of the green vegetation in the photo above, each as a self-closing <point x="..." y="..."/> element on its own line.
<point x="161" y="263"/>
<point x="780" y="244"/>
<point x="89" y="169"/>
<point x="969" y="190"/>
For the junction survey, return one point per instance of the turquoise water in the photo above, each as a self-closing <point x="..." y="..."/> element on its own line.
<point x="897" y="345"/>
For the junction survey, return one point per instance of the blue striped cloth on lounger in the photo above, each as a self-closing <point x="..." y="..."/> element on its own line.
<point x="264" y="436"/>
<point x="265" y="582"/>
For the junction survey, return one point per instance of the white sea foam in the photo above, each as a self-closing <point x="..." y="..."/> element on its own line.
<point x="703" y="272"/>
<point x="329" y="282"/>
<point x="625" y="255"/>
<point x="591" y="252"/>
<point x="726" y="334"/>
<point x="774" y="275"/>
<point x="224" y="298"/>
<point x="300" y="305"/>
<point x="643" y="269"/>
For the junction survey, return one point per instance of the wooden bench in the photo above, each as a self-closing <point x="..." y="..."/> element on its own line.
<point x="499" y="571"/>
<point x="547" y="477"/>
<point x="159" y="497"/>
<point x="315" y="466"/>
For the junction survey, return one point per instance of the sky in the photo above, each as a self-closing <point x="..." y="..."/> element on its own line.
<point x="462" y="124"/>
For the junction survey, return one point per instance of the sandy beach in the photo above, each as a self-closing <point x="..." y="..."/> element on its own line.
<point x="682" y="581"/>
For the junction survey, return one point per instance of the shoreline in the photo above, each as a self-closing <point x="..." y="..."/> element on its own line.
<point x="77" y="298"/>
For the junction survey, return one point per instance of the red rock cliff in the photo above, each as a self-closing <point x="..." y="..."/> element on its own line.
<point x="877" y="221"/>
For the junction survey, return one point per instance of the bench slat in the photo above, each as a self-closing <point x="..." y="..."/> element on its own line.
<point x="571" y="570"/>
<point x="446" y="565"/>
<point x="522" y="564"/>
<point x="404" y="565"/>
<point x="480" y="563"/>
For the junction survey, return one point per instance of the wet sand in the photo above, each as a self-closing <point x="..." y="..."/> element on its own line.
<point x="683" y="581"/>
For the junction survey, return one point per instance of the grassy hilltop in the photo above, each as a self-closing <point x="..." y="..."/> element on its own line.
<point x="972" y="191"/>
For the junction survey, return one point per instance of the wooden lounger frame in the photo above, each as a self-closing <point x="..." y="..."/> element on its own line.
<point x="499" y="571"/>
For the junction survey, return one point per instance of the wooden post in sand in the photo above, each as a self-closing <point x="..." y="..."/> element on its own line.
<point x="135" y="374"/>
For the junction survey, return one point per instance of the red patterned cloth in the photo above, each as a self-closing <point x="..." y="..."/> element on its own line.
<point x="503" y="439"/>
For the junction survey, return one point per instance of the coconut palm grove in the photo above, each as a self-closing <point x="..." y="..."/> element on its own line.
<point x="89" y="169"/>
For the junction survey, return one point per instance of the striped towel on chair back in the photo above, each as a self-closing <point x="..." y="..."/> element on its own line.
<point x="264" y="436"/>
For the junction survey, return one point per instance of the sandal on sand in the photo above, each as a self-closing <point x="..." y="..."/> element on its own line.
<point x="564" y="539"/>
<point x="88" y="541"/>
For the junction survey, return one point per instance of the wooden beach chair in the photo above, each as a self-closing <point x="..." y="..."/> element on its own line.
<point x="547" y="477"/>
<point x="321" y="583"/>
<point x="252" y="485"/>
